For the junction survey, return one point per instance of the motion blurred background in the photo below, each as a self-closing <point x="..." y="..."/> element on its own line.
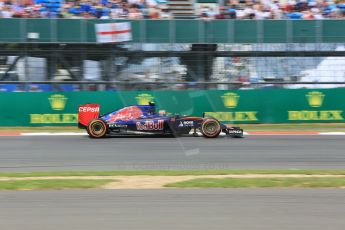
<point x="191" y="42"/>
<point x="149" y="46"/>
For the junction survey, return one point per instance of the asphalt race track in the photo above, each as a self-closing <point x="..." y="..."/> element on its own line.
<point x="47" y="153"/>
<point x="171" y="209"/>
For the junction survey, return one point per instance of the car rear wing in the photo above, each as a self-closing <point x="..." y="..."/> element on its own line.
<point x="87" y="113"/>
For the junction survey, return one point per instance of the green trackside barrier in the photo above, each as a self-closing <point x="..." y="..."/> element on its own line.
<point x="16" y="30"/>
<point x="229" y="106"/>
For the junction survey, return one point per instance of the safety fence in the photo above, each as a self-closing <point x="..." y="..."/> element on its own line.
<point x="229" y="106"/>
<point x="176" y="31"/>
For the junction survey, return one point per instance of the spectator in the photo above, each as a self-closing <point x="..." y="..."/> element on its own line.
<point x="154" y="12"/>
<point x="6" y="11"/>
<point x="134" y="12"/>
<point x="166" y="14"/>
<point x="65" y="12"/>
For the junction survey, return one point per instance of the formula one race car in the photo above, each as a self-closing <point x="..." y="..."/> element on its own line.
<point x="143" y="119"/>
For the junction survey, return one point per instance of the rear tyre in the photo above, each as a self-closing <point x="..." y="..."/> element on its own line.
<point x="210" y="128"/>
<point x="97" y="128"/>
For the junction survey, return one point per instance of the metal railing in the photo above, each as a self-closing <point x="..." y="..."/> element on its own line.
<point x="34" y="86"/>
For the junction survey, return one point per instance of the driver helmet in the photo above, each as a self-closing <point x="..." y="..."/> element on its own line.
<point x="162" y="113"/>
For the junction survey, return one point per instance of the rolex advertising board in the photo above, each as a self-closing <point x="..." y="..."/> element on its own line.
<point x="322" y="108"/>
<point x="229" y="106"/>
<point x="234" y="107"/>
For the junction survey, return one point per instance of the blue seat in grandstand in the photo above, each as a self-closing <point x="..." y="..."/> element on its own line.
<point x="93" y="11"/>
<point x="295" y="15"/>
<point x="75" y="10"/>
<point x="38" y="88"/>
<point x="331" y="7"/>
<point x="341" y="7"/>
<point x="162" y="1"/>
<point x="28" y="88"/>
<point x="105" y="12"/>
<point x="8" y="88"/>
<point x="63" y="88"/>
<point x="85" y="7"/>
<point x="68" y="87"/>
<point x="51" y="5"/>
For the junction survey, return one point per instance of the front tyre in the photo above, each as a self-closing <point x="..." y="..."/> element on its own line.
<point x="97" y="128"/>
<point x="210" y="128"/>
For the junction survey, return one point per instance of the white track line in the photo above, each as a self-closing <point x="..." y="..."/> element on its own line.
<point x="53" y="134"/>
<point x="333" y="133"/>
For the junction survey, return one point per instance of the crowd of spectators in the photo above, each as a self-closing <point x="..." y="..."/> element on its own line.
<point x="102" y="9"/>
<point x="156" y="9"/>
<point x="279" y="9"/>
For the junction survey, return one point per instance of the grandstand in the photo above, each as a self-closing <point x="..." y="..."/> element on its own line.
<point x="159" y="9"/>
<point x="203" y="47"/>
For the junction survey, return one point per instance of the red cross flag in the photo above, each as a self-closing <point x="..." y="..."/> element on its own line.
<point x="113" y="32"/>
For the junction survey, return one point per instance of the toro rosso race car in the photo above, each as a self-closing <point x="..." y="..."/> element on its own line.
<point x="143" y="119"/>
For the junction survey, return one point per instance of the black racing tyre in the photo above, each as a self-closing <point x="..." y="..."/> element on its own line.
<point x="97" y="128"/>
<point x="210" y="128"/>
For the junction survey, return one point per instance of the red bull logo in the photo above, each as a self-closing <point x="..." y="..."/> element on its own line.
<point x="150" y="125"/>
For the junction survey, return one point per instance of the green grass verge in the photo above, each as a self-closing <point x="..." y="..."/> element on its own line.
<point x="171" y="172"/>
<point x="52" y="184"/>
<point x="331" y="182"/>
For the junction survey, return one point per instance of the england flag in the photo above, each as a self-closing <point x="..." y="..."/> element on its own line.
<point x="113" y="32"/>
